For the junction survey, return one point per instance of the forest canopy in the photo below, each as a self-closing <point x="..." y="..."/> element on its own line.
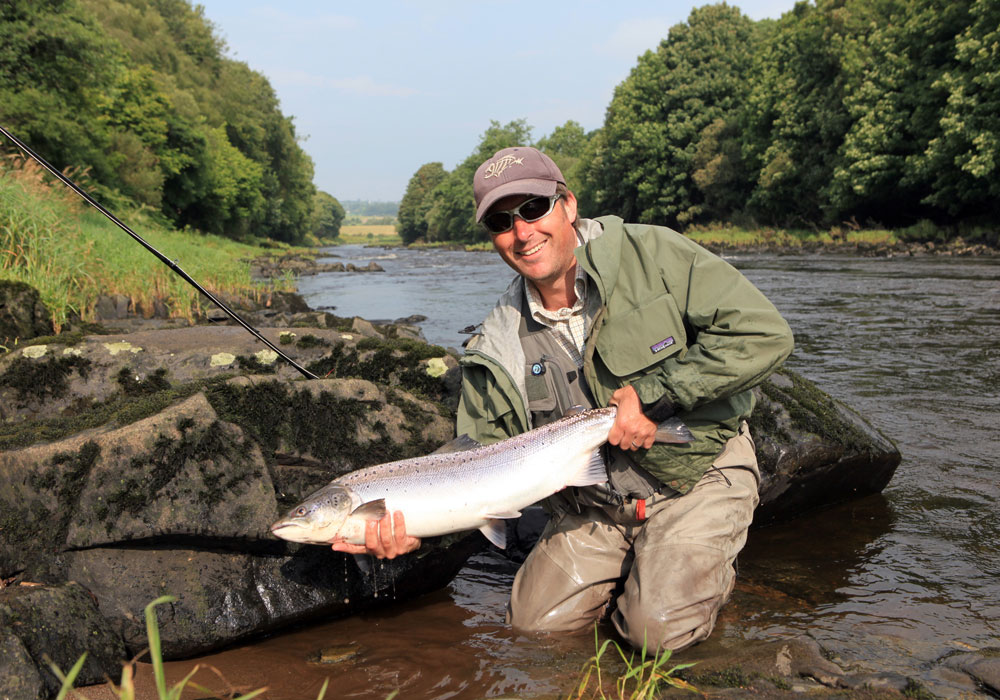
<point x="139" y="95"/>
<point x="848" y="112"/>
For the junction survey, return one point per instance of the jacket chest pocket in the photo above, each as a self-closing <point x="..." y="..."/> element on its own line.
<point x="631" y="341"/>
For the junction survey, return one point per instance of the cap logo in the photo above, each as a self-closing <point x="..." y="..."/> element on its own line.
<point x="495" y="168"/>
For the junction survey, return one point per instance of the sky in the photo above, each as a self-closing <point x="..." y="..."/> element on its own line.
<point x="377" y="89"/>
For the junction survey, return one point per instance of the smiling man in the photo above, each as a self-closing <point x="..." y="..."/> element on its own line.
<point x="603" y="312"/>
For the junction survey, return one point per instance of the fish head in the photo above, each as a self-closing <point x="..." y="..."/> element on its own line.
<point x="318" y="519"/>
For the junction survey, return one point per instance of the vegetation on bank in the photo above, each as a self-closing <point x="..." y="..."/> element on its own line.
<point x="139" y="97"/>
<point x="52" y="240"/>
<point x="842" y="113"/>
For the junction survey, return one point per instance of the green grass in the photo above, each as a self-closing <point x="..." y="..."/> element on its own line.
<point x="53" y="241"/>
<point x="725" y="234"/>
<point x="369" y="234"/>
<point x="126" y="689"/>
<point x="641" y="677"/>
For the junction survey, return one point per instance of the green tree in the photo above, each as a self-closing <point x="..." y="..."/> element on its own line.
<point x="962" y="163"/>
<point x="327" y="215"/>
<point x="452" y="213"/>
<point x="566" y="146"/>
<point x="416" y="202"/>
<point x="642" y="164"/>
<point x="895" y="65"/>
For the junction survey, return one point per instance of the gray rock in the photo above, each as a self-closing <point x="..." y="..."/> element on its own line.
<point x="22" y="313"/>
<point x="61" y="622"/>
<point x="813" y="450"/>
<point x="983" y="666"/>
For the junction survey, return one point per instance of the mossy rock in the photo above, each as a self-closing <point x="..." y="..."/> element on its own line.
<point x="22" y="313"/>
<point x="813" y="450"/>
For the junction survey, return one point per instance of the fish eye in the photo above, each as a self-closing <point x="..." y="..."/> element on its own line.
<point x="301" y="510"/>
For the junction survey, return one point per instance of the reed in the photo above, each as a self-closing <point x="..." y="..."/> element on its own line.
<point x="51" y="240"/>
<point x="641" y="677"/>
<point x="126" y="689"/>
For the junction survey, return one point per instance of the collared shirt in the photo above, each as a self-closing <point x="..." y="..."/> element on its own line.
<point x="568" y="324"/>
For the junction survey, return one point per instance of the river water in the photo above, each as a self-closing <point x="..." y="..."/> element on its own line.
<point x="891" y="582"/>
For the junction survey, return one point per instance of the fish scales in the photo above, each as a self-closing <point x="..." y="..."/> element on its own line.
<point x="450" y="492"/>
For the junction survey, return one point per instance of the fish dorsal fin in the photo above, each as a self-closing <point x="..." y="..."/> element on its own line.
<point x="496" y="532"/>
<point x="574" y="410"/>
<point x="372" y="510"/>
<point x="674" y="431"/>
<point x="593" y="472"/>
<point x="459" y="444"/>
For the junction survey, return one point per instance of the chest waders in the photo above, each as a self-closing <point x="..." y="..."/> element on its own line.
<point x="554" y="385"/>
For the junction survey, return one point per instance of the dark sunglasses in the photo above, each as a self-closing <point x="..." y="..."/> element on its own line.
<point x="529" y="210"/>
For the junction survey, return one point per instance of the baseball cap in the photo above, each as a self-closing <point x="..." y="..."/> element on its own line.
<point x="517" y="170"/>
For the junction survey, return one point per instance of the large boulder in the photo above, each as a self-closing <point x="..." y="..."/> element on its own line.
<point x="813" y="450"/>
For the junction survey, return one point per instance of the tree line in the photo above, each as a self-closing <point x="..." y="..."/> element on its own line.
<point x="864" y="112"/>
<point x="139" y="98"/>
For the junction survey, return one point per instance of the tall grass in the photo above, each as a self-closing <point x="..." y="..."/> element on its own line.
<point x="52" y="240"/>
<point x="126" y="689"/>
<point x="640" y="679"/>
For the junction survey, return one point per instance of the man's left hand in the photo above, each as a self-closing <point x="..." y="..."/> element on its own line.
<point x="632" y="430"/>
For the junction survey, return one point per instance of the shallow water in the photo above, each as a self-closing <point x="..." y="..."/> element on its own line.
<point x="891" y="582"/>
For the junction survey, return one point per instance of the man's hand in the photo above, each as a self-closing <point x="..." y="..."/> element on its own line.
<point x="383" y="539"/>
<point x="632" y="430"/>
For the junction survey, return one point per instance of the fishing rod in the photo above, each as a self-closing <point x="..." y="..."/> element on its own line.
<point x="172" y="264"/>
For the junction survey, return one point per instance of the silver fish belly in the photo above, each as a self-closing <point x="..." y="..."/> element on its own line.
<point x="475" y="488"/>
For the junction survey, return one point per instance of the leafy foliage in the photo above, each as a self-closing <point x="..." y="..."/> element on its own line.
<point x="415" y="204"/>
<point x="139" y="94"/>
<point x="841" y="112"/>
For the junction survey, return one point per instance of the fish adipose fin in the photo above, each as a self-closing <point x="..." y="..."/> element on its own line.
<point x="372" y="510"/>
<point x="673" y="430"/>
<point x="594" y="472"/>
<point x="496" y="532"/>
<point x="459" y="444"/>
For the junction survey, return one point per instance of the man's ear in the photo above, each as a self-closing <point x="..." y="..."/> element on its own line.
<point x="569" y="204"/>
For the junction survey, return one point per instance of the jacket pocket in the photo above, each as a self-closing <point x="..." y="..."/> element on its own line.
<point x="631" y="341"/>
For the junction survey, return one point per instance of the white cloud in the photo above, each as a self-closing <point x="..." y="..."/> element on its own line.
<point x="360" y="85"/>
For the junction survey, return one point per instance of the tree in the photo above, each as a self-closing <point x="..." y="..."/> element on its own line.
<point x="452" y="214"/>
<point x="327" y="216"/>
<point x="962" y="163"/>
<point x="416" y="202"/>
<point x="643" y="163"/>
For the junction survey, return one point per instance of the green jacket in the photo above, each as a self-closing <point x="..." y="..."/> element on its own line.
<point x="674" y="321"/>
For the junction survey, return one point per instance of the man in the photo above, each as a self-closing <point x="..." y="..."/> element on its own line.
<point x="608" y="313"/>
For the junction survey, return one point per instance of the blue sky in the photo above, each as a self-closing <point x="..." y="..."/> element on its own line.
<point x="377" y="89"/>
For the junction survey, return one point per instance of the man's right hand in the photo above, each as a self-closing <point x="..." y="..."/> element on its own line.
<point x="384" y="539"/>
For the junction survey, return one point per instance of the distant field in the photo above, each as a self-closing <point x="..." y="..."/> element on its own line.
<point x="369" y="233"/>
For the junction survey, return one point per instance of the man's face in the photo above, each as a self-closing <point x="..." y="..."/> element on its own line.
<point x="541" y="251"/>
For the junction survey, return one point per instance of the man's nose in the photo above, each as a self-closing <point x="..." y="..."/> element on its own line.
<point x="522" y="229"/>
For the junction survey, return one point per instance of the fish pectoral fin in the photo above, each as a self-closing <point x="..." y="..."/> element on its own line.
<point x="593" y="472"/>
<point x="506" y="515"/>
<point x="364" y="563"/>
<point x="459" y="444"/>
<point x="496" y="532"/>
<point x="673" y="430"/>
<point x="372" y="510"/>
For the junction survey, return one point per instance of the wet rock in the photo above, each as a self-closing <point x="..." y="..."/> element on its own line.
<point x="62" y="622"/>
<point x="813" y="450"/>
<point x="719" y="664"/>
<point x="22" y="313"/>
<point x="982" y="666"/>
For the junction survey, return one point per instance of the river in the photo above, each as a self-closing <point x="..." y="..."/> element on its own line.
<point x="891" y="582"/>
